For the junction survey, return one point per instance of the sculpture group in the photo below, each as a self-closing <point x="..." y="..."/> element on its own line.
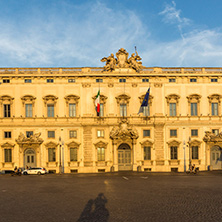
<point x="122" y="61"/>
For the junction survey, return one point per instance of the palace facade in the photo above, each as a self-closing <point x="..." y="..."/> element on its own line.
<point x="48" y="117"/>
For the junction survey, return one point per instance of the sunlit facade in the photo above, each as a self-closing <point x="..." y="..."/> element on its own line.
<point x="48" y="119"/>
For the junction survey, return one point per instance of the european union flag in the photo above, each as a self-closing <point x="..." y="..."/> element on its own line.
<point x="145" y="101"/>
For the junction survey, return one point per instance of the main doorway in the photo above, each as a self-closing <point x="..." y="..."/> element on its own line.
<point x="30" y="158"/>
<point x="124" y="157"/>
<point x="216" y="158"/>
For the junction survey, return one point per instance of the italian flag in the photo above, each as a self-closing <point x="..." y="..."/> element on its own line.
<point x="97" y="103"/>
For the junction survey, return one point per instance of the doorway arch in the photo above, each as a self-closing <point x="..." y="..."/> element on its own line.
<point x="30" y="158"/>
<point x="216" y="157"/>
<point x="124" y="157"/>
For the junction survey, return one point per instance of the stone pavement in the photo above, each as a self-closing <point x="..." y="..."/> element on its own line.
<point x="123" y="196"/>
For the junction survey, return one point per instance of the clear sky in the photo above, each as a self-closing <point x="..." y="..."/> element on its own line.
<point x="78" y="33"/>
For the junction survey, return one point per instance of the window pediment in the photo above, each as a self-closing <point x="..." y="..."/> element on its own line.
<point x="214" y="98"/>
<point x="72" y="99"/>
<point x="28" y="98"/>
<point x="73" y="144"/>
<point x="172" y="98"/>
<point x="51" y="144"/>
<point x="194" y="98"/>
<point x="7" y="145"/>
<point x="174" y="143"/>
<point x="149" y="101"/>
<point x="102" y="99"/>
<point x="146" y="143"/>
<point x="195" y="142"/>
<point x="123" y="99"/>
<point x="101" y="144"/>
<point x="50" y="99"/>
<point x="6" y="99"/>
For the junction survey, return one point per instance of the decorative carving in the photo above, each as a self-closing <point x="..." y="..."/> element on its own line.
<point x="101" y="144"/>
<point x="110" y="85"/>
<point x="7" y="145"/>
<point x="124" y="131"/>
<point x="211" y="137"/>
<point x="33" y="139"/>
<point x="172" y="98"/>
<point x="73" y="144"/>
<point x="50" y="98"/>
<point x="6" y="99"/>
<point x="122" y="99"/>
<point x="122" y="61"/>
<point x="194" y="98"/>
<point x="51" y="144"/>
<point x="86" y="85"/>
<point x="214" y="97"/>
<point x="173" y="143"/>
<point x="27" y="99"/>
<point x="71" y="98"/>
<point x="134" y="85"/>
<point x="102" y="99"/>
<point x="158" y="85"/>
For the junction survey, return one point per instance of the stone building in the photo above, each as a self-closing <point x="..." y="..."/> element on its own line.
<point x="48" y="117"/>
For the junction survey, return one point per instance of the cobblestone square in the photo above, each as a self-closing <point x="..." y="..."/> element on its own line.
<point x="123" y="196"/>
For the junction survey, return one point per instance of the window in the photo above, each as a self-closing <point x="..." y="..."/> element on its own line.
<point x="8" y="155"/>
<point x="146" y="133"/>
<point x="173" y="152"/>
<point x="50" y="110"/>
<point x="29" y="134"/>
<point x="122" y="80"/>
<point x="101" y="113"/>
<point x="195" y="152"/>
<point x="72" y="134"/>
<point x="215" y="131"/>
<point x="7" y="110"/>
<point x="7" y="134"/>
<point x="173" y="109"/>
<point x="145" y="80"/>
<point x="72" y="109"/>
<point x="147" y="153"/>
<point x="172" y="80"/>
<point x="194" y="132"/>
<point x="6" y="81"/>
<point x="51" y="154"/>
<point x="51" y="134"/>
<point x="100" y="133"/>
<point x="28" y="81"/>
<point x="71" y="80"/>
<point x="123" y="109"/>
<point x="193" y="80"/>
<point x="213" y="80"/>
<point x="146" y="110"/>
<point x="214" y="109"/>
<point x="173" y="133"/>
<point x="99" y="80"/>
<point x="49" y="80"/>
<point x="28" y="110"/>
<point x="73" y="154"/>
<point x="193" y="109"/>
<point x="101" y="154"/>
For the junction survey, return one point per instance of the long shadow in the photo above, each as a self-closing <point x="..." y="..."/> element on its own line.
<point x="95" y="210"/>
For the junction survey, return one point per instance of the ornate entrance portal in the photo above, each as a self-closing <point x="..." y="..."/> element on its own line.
<point x="124" y="157"/>
<point x="30" y="158"/>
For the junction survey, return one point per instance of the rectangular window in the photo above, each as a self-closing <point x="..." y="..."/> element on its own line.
<point x="72" y="134"/>
<point x="6" y="80"/>
<point x="147" y="153"/>
<point x="101" y="113"/>
<point x="122" y="80"/>
<point x="195" y="152"/>
<point x="72" y="109"/>
<point x="71" y="80"/>
<point x="28" y="81"/>
<point x="215" y="131"/>
<point x="145" y="80"/>
<point x="99" y="80"/>
<point x="123" y="109"/>
<point x="73" y="154"/>
<point x="193" y="80"/>
<point x="51" y="154"/>
<point x="29" y="134"/>
<point x="51" y="134"/>
<point x="7" y="110"/>
<point x="7" y="134"/>
<point x="214" y="109"/>
<point x="194" y="132"/>
<point x="49" y="80"/>
<point x="173" y="109"/>
<point x="193" y="109"/>
<point x="172" y="80"/>
<point x="173" y="133"/>
<point x="100" y="133"/>
<point x="213" y="80"/>
<point x="146" y="133"/>
<point x="146" y="110"/>
<point x="173" y="152"/>
<point x="100" y="154"/>
<point x="28" y="110"/>
<point x="8" y="155"/>
<point x="50" y="110"/>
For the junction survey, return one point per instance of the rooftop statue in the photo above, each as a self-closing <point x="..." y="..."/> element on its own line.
<point x="122" y="61"/>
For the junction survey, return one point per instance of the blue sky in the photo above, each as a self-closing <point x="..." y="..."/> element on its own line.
<point x="78" y="33"/>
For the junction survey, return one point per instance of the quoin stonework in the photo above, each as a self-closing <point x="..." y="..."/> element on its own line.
<point x="48" y="117"/>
